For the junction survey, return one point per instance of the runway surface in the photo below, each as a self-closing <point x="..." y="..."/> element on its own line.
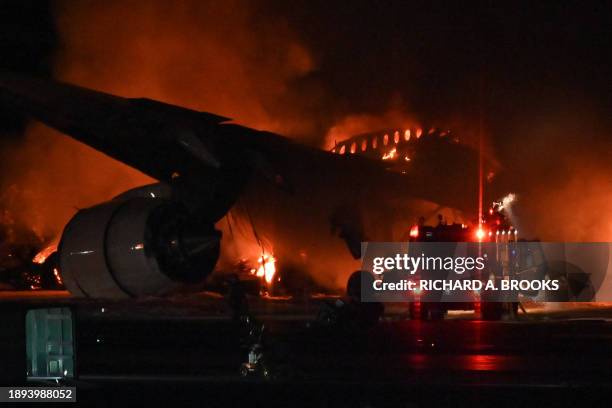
<point x="188" y="349"/>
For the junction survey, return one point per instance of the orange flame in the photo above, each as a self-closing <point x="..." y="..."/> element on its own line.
<point x="390" y="155"/>
<point x="42" y="256"/>
<point x="58" y="277"/>
<point x="267" y="267"/>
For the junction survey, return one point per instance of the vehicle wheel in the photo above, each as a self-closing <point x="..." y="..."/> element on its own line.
<point x="436" y="314"/>
<point x="244" y="371"/>
<point x="426" y="311"/>
<point x="515" y="308"/>
<point x="491" y="311"/>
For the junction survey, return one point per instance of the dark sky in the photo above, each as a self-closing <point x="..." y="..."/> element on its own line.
<point x="28" y="41"/>
<point x="512" y="60"/>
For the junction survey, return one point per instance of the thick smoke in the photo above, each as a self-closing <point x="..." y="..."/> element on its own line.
<point x="239" y="60"/>
<point x="222" y="57"/>
<point x="50" y="177"/>
<point x="559" y="164"/>
<point x="396" y="117"/>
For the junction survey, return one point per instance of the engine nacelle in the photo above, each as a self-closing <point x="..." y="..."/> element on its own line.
<point x="135" y="247"/>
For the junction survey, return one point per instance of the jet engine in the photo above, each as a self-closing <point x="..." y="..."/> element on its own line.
<point x="135" y="246"/>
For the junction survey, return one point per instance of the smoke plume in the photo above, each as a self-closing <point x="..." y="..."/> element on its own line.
<point x="222" y="57"/>
<point x="243" y="61"/>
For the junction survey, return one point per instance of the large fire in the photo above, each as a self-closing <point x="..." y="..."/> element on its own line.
<point x="44" y="253"/>
<point x="266" y="268"/>
<point x="390" y="155"/>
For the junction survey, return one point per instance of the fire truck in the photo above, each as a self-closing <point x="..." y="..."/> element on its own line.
<point x="496" y="230"/>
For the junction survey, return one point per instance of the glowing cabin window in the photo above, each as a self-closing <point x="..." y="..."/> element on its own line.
<point x="334" y="150"/>
<point x="396" y="137"/>
<point x="407" y="135"/>
<point x="353" y="147"/>
<point x="342" y="149"/>
<point x="375" y="143"/>
<point x="432" y="131"/>
<point x="364" y="145"/>
<point x="386" y="140"/>
<point x="419" y="132"/>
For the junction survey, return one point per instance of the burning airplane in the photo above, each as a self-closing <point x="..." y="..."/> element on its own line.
<point x="305" y="209"/>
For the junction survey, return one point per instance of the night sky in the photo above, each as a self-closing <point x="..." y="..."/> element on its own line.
<point x="444" y="58"/>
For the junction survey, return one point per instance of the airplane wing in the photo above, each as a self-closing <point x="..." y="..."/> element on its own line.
<point x="308" y="200"/>
<point x="202" y="152"/>
<point x="205" y="155"/>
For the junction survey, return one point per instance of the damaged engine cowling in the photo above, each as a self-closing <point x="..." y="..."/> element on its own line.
<point x="135" y="246"/>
